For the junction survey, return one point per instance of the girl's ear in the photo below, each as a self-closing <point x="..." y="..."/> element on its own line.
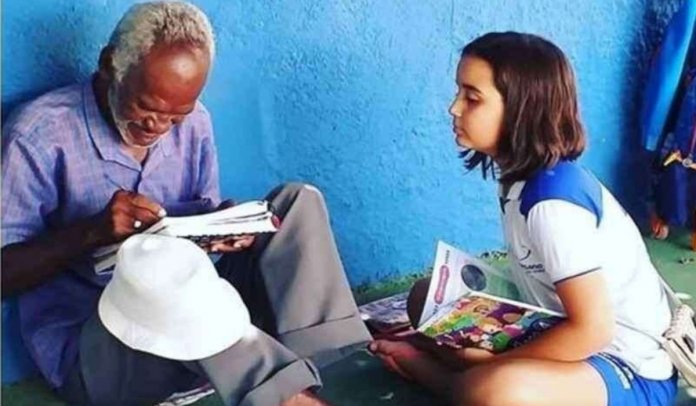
<point x="106" y="66"/>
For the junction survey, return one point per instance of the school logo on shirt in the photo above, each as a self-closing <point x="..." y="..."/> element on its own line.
<point x="527" y="255"/>
<point x="526" y="262"/>
<point x="532" y="268"/>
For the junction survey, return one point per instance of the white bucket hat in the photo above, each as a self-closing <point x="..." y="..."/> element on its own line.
<point x="167" y="299"/>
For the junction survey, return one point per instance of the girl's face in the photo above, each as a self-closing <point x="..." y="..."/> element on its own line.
<point x="477" y="109"/>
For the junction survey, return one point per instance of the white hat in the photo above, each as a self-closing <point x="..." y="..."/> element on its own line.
<point x="167" y="299"/>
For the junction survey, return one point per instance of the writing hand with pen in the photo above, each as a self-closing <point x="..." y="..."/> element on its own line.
<point x="128" y="213"/>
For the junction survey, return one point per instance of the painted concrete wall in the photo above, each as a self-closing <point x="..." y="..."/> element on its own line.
<point x="352" y="96"/>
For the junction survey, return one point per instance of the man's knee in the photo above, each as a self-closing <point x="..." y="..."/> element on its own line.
<point x="300" y="196"/>
<point x="416" y="300"/>
<point x="295" y="188"/>
<point x="290" y="192"/>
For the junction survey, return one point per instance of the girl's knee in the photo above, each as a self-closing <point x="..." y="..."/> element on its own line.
<point x="492" y="385"/>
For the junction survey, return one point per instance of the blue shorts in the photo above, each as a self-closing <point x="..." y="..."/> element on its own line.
<point x="626" y="388"/>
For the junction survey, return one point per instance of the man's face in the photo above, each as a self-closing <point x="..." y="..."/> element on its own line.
<point x="157" y="93"/>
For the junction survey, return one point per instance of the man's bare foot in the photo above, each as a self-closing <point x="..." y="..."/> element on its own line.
<point x="304" y="398"/>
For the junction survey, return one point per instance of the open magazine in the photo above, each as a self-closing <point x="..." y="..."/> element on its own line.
<point x="254" y="217"/>
<point x="456" y="274"/>
<point x="488" y="322"/>
<point x="470" y="304"/>
<point x="453" y="272"/>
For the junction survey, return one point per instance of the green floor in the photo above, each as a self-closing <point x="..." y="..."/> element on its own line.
<point x="361" y="381"/>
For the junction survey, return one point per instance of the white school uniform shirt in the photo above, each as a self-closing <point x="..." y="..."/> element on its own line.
<point x="563" y="223"/>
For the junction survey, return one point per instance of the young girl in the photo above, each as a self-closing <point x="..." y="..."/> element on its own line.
<point x="572" y="248"/>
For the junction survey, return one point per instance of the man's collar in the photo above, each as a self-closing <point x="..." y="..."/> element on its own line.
<point x="108" y="141"/>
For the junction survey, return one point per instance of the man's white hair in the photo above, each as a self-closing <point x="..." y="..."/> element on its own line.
<point x="164" y="22"/>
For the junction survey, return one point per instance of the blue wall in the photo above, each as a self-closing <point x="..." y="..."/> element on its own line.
<point x="352" y="96"/>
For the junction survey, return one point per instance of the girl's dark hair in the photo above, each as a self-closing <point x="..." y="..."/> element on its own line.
<point x="541" y="121"/>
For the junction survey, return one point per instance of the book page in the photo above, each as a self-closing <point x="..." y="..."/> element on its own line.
<point x="456" y="274"/>
<point x="253" y="217"/>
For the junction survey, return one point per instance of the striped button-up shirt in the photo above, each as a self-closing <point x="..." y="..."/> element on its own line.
<point x="62" y="162"/>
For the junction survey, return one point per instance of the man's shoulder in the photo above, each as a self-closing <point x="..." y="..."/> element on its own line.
<point x="41" y="118"/>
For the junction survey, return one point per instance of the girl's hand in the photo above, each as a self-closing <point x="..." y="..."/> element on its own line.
<point x="458" y="359"/>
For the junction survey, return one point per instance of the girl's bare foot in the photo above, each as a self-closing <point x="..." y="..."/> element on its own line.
<point x="394" y="353"/>
<point x="413" y="364"/>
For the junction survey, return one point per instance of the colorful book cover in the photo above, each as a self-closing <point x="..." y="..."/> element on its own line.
<point x="456" y="274"/>
<point x="488" y="322"/>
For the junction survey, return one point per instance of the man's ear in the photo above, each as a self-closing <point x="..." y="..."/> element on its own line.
<point x="106" y="66"/>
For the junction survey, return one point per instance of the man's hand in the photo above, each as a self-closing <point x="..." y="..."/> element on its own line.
<point x="126" y="214"/>
<point x="230" y="244"/>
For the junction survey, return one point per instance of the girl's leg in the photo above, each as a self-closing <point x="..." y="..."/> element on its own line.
<point x="406" y="359"/>
<point x="508" y="383"/>
<point x="529" y="382"/>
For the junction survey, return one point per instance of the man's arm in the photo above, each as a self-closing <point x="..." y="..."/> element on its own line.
<point x="30" y="263"/>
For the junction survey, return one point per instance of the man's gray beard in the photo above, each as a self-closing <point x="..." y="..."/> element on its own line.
<point x="121" y="124"/>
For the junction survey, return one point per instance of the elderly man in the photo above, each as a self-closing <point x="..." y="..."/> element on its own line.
<point x="92" y="164"/>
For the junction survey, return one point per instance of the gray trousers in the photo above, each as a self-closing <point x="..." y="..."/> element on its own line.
<point x="295" y="289"/>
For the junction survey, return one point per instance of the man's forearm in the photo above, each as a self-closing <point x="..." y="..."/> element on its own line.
<point x="27" y="264"/>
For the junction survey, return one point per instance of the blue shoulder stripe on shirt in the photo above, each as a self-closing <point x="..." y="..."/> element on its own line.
<point x="566" y="181"/>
